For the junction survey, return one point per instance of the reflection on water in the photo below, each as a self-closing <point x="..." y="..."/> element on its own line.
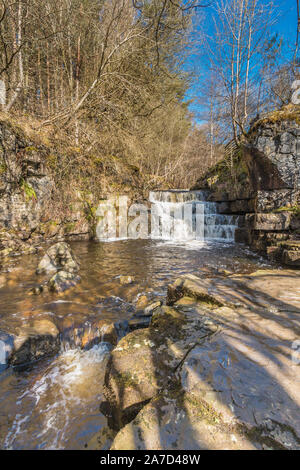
<point x="55" y="404"/>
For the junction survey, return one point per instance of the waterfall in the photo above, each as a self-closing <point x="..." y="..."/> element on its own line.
<point x="186" y="215"/>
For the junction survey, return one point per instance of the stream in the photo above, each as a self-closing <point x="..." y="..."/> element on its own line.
<point x="54" y="403"/>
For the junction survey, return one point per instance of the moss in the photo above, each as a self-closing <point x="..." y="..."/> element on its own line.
<point x="90" y="211"/>
<point x="294" y="209"/>
<point x="31" y="149"/>
<point x="289" y="113"/>
<point x="213" y="180"/>
<point x="228" y="172"/>
<point x="29" y="192"/>
<point x="203" y="410"/>
<point x="126" y="379"/>
<point x="2" y="168"/>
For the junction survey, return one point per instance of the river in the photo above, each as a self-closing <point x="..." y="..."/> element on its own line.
<point x="54" y="403"/>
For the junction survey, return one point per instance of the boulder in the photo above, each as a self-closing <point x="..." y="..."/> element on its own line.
<point x="197" y="288"/>
<point x="58" y="257"/>
<point x="291" y="258"/>
<point x="62" y="281"/>
<point x="206" y="376"/>
<point x="98" y="331"/>
<point x="150" y="308"/>
<point x="290" y="253"/>
<point x="142" y="318"/>
<point x="144" y="361"/>
<point x="142" y="302"/>
<point x="41" y="339"/>
<point x="139" y="322"/>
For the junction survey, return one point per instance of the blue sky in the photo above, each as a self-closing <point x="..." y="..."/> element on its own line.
<point x="286" y="27"/>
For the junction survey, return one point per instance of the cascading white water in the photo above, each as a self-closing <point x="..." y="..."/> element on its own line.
<point x="186" y="215"/>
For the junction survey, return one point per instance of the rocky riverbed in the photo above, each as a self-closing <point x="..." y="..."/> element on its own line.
<point x="215" y="369"/>
<point x="52" y="393"/>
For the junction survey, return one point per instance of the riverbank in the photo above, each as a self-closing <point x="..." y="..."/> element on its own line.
<point x="54" y="402"/>
<point x="259" y="180"/>
<point x="216" y="369"/>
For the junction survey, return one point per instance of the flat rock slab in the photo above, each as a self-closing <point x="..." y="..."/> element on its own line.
<point x="278" y="289"/>
<point x="249" y="384"/>
<point x="145" y="360"/>
<point x="178" y="422"/>
<point x="235" y="358"/>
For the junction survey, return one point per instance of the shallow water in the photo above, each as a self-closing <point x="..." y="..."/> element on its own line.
<point x="55" y="403"/>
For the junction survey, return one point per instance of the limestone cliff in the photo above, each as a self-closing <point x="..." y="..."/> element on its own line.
<point x="261" y="180"/>
<point x="36" y="205"/>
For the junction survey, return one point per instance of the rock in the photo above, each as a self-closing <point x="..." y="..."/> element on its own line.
<point x="177" y="421"/>
<point x="137" y="323"/>
<point x="241" y="206"/>
<point x="41" y="289"/>
<point x="98" y="331"/>
<point x="291" y="258"/>
<point x="57" y="258"/>
<point x="142" y="302"/>
<point x="35" y="342"/>
<point x="124" y="280"/>
<point x="2" y="281"/>
<point x="269" y="222"/>
<point x="143" y="361"/>
<point x="150" y="309"/>
<point x="275" y="199"/>
<point x="242" y="235"/>
<point x="177" y="385"/>
<point x="295" y="222"/>
<point x="142" y="318"/>
<point x="63" y="281"/>
<point x="193" y="286"/>
<point x="263" y="182"/>
<point x="287" y="252"/>
<point x="224" y="208"/>
<point x="102" y="440"/>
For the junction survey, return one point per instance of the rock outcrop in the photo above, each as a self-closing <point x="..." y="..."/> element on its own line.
<point x="30" y="202"/>
<point x="38" y="203"/>
<point x="261" y="181"/>
<point x="37" y="339"/>
<point x="59" y="259"/>
<point x="211" y="374"/>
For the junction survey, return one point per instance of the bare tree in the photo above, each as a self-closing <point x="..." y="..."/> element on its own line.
<point x="236" y="47"/>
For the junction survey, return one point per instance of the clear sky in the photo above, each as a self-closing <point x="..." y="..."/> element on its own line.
<point x="286" y="28"/>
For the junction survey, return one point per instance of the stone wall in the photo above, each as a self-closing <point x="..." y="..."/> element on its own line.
<point x="29" y="200"/>
<point x="261" y="181"/>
